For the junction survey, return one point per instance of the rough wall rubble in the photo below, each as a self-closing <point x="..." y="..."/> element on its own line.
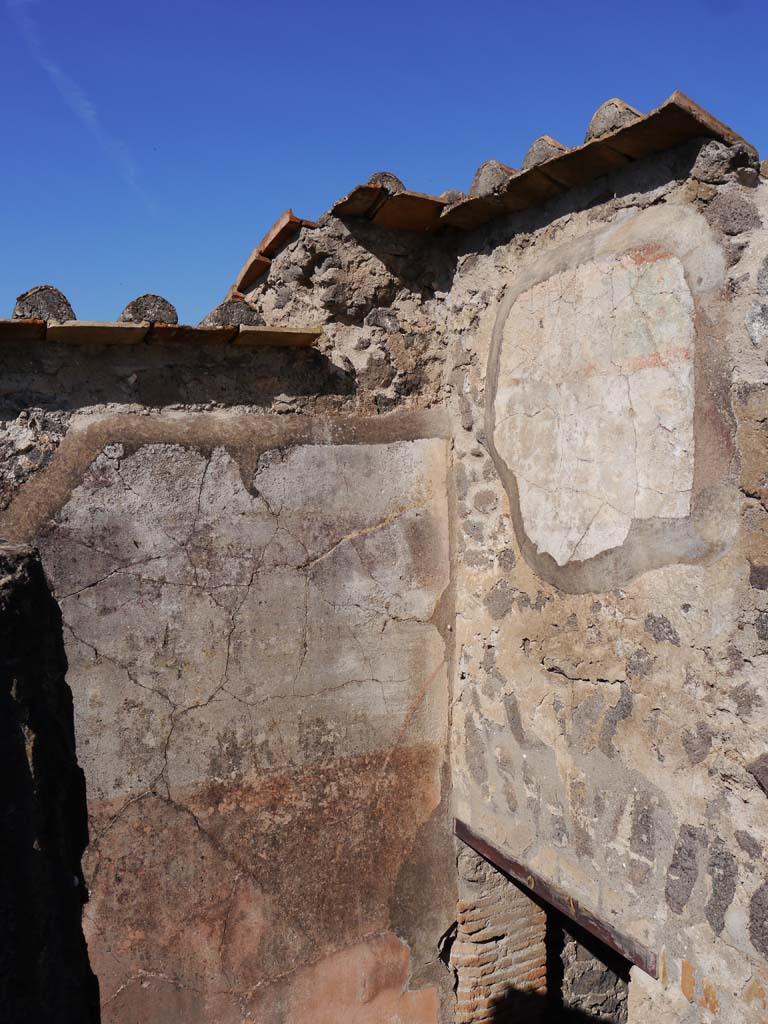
<point x="591" y="986"/>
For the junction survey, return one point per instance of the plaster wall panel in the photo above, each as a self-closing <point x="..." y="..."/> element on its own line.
<point x="257" y="658"/>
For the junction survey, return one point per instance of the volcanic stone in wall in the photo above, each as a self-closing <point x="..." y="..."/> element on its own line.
<point x="44" y="969"/>
<point x="593" y="985"/>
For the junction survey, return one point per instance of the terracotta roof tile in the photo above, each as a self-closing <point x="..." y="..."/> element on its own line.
<point x="360" y="202"/>
<point x="405" y="211"/>
<point x="282" y="231"/>
<point x="677" y="120"/>
<point x="409" y="211"/>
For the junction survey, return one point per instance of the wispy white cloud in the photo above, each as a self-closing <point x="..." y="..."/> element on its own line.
<point x="75" y="98"/>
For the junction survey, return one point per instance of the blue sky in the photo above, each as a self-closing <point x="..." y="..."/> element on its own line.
<point x="148" y="146"/>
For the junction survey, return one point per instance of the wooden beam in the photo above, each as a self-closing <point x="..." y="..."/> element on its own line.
<point x="27" y="329"/>
<point x="91" y="332"/>
<point x="290" y="337"/>
<point x="540" y="889"/>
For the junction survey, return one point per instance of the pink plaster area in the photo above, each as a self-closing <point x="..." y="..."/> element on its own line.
<point x="364" y="983"/>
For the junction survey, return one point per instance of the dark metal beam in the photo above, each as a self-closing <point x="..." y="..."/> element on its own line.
<point x="539" y="889"/>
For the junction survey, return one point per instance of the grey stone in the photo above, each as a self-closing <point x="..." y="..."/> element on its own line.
<point x="489" y="177"/>
<point x="642" y="840"/>
<point x="154" y="308"/>
<point x="474" y="531"/>
<point x="684" y="867"/>
<point x="489" y="659"/>
<point x="500" y="599"/>
<point x="757" y="323"/>
<point x="612" y="114"/>
<point x="716" y="162"/>
<point x="748" y="177"/>
<point x="542" y="149"/>
<point x="762" y="277"/>
<point x="451" y="196"/>
<point x="231" y="312"/>
<point x="475" y="752"/>
<point x="661" y="629"/>
<point x="758" y="576"/>
<point x="724" y="874"/>
<point x="386" y="319"/>
<point x="591" y="989"/>
<point x="512" y="712"/>
<point x="43" y="302"/>
<point x="749" y="845"/>
<point x="758" y="769"/>
<point x="747" y="699"/>
<point x="389" y="181"/>
<point x="697" y="742"/>
<point x="485" y="501"/>
<point x="507" y="559"/>
<point x="614" y="715"/>
<point x="639" y="663"/>
<point x="758" y="919"/>
<point x="732" y="213"/>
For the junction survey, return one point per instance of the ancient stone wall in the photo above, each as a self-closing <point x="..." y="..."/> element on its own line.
<point x="517" y="493"/>
<point x="609" y="712"/>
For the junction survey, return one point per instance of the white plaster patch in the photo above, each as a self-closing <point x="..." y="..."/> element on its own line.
<point x="595" y="398"/>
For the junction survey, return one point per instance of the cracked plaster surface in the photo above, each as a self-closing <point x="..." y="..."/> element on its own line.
<point x="595" y="398"/>
<point x="197" y="608"/>
<point x="260" y="694"/>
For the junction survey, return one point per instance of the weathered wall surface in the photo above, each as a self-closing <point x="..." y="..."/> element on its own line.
<point x="609" y="715"/>
<point x="559" y="523"/>
<point x="255" y="618"/>
<point x="44" y="970"/>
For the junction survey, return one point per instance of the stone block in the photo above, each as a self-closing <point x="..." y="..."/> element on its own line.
<point x="489" y="177"/>
<point x="609" y="116"/>
<point x="43" y="302"/>
<point x="540" y="150"/>
<point x="149" y="308"/>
